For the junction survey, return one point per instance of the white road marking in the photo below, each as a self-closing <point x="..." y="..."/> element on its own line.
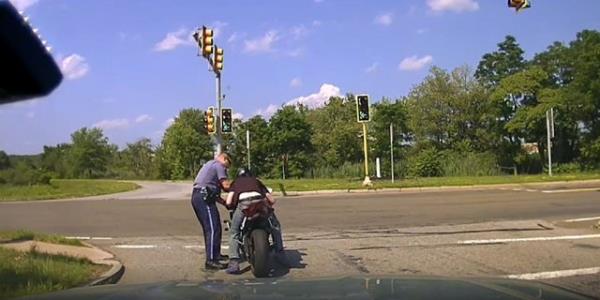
<point x="186" y="284"/>
<point x="135" y="246"/>
<point x="582" y="219"/>
<point x="531" y="239"/>
<point x="77" y="237"/>
<point x="87" y="238"/>
<point x="571" y="190"/>
<point x="202" y="246"/>
<point x="193" y="247"/>
<point x="554" y="274"/>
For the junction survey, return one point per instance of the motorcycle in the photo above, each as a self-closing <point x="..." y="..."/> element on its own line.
<point x="254" y="234"/>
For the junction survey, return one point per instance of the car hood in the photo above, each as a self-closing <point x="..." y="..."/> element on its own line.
<point x="334" y="288"/>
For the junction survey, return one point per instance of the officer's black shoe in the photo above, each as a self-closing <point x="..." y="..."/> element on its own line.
<point x="214" y="265"/>
<point x="224" y="257"/>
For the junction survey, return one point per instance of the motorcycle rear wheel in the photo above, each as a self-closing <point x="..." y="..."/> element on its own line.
<point x="260" y="253"/>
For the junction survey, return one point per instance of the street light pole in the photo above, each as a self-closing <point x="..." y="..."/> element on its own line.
<point x="248" y="147"/>
<point x="392" y="149"/>
<point x="549" y="136"/>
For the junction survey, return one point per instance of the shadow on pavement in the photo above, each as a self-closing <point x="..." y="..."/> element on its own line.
<point x="294" y="258"/>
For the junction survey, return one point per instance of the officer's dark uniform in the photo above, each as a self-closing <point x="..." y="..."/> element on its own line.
<point x="207" y="189"/>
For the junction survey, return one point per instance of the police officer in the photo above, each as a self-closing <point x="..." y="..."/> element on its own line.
<point x="211" y="179"/>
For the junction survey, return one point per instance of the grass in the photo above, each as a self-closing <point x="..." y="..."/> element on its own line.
<point x="59" y="189"/>
<point x="353" y="184"/>
<point x="27" y="273"/>
<point x="24" y="235"/>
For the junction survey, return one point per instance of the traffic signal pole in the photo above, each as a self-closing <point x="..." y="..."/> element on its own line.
<point x="218" y="140"/>
<point x="367" y="181"/>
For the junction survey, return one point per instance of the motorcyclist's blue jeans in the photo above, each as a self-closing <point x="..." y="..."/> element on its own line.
<point x="234" y="238"/>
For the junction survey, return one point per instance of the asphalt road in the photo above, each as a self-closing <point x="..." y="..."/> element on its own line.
<point x="145" y="214"/>
<point x="510" y="231"/>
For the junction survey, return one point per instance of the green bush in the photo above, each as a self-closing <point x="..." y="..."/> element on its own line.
<point x="590" y="155"/>
<point x="568" y="168"/>
<point x="469" y="164"/>
<point x="427" y="163"/>
<point x="24" y="174"/>
<point x="528" y="163"/>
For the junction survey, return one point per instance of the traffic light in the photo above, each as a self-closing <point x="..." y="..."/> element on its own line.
<point x="226" y="120"/>
<point x="207" y="41"/>
<point x="519" y="5"/>
<point x="363" y="110"/>
<point x="209" y="120"/>
<point x="218" y="65"/>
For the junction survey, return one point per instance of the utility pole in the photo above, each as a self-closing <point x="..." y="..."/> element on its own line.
<point x="248" y="147"/>
<point x="392" y="149"/>
<point x="549" y="136"/>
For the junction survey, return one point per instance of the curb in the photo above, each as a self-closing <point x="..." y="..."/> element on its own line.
<point x="435" y="189"/>
<point x="112" y="276"/>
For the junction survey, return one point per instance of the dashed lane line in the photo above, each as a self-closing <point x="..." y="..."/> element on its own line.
<point x="530" y="239"/>
<point x="554" y="274"/>
<point x="582" y="219"/>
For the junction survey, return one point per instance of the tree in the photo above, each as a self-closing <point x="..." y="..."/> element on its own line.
<point x="56" y="160"/>
<point x="186" y="145"/>
<point x="386" y="112"/>
<point x="138" y="158"/>
<point x="451" y="111"/>
<point x="4" y="160"/>
<point x="495" y="66"/>
<point x="335" y="132"/>
<point x="90" y="153"/>
<point x="259" y="145"/>
<point x="290" y="142"/>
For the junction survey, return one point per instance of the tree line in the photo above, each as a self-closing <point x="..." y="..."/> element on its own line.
<point x="486" y="120"/>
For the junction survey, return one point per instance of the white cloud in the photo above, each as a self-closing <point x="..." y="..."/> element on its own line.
<point x="422" y="30"/>
<point x="453" y="5"/>
<point x="262" y="44"/>
<point x="239" y="116"/>
<point x="316" y="23"/>
<point x="372" y="68"/>
<point x="172" y="40"/>
<point x="295" y="52"/>
<point x="296" y="82"/>
<point x="299" y="32"/>
<point x="169" y="122"/>
<point x="23" y="4"/>
<point x="112" y="124"/>
<point x="317" y="99"/>
<point x="143" y="118"/>
<point x="233" y="37"/>
<point x="319" y="1"/>
<point x="414" y="63"/>
<point x="30" y="115"/>
<point x="74" y="66"/>
<point x="268" y="112"/>
<point x="385" y="19"/>
<point x="217" y="27"/>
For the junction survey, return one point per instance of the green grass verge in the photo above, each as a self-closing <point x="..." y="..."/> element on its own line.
<point x="24" y="235"/>
<point x="354" y="184"/>
<point x="59" y="189"/>
<point x="27" y="273"/>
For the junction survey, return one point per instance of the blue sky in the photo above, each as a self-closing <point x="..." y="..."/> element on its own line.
<point x="130" y="65"/>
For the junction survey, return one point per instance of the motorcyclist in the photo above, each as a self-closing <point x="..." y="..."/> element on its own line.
<point x="244" y="186"/>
